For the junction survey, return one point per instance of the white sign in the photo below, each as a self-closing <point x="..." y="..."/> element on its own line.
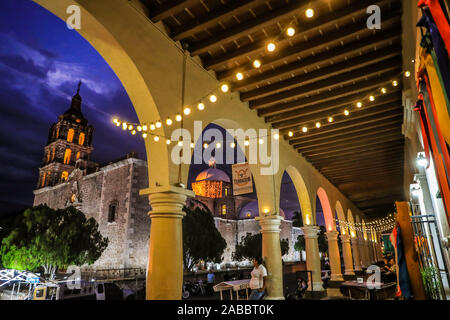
<point x="242" y="179"/>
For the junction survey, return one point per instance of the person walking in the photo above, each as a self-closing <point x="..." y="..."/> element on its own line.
<point x="258" y="279"/>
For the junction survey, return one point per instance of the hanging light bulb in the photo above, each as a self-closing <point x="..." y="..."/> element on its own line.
<point x="290" y="32"/>
<point x="276" y="136"/>
<point x="290" y="133"/>
<point x="383" y="90"/>
<point x="118" y="123"/>
<point x="192" y="145"/>
<point x="205" y="145"/>
<point x="256" y="64"/>
<point x="152" y="127"/>
<point x="124" y="126"/>
<point x="115" y="120"/>
<point x="168" y="141"/>
<point x="133" y="132"/>
<point x="218" y="145"/>
<point x="271" y="47"/>
<point x="201" y="106"/>
<point x="407" y="74"/>
<point x="372" y="98"/>
<point x="330" y="119"/>
<point x="224" y="87"/>
<point x="305" y="129"/>
<point x="139" y="128"/>
<point x="239" y="76"/>
<point x="156" y="138"/>
<point x="130" y="127"/>
<point x="169" y="121"/>
<point x="144" y="128"/>
<point x="180" y="143"/>
<point x="309" y="13"/>
<point x="346" y="112"/>
<point x="144" y="135"/>
<point x="187" y="111"/>
<point x="318" y="125"/>
<point x="178" y="117"/>
<point x="395" y="83"/>
<point x="359" y="104"/>
<point x="246" y="142"/>
<point x="212" y="98"/>
<point x="233" y="145"/>
<point x="158" y="124"/>
<point x="261" y="141"/>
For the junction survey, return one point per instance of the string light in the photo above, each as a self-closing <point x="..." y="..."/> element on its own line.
<point x="158" y="124"/>
<point x="290" y="133"/>
<point x="395" y="83"/>
<point x="257" y="64"/>
<point x="187" y="111"/>
<point x="133" y="132"/>
<point x="205" y="145"/>
<point x="359" y="104"/>
<point x="192" y="145"/>
<point x="309" y="13"/>
<point x="305" y="129"/>
<point x="218" y="145"/>
<point x="152" y="127"/>
<point x="239" y="76"/>
<point x="130" y="127"/>
<point x="346" y="112"/>
<point x="144" y="135"/>
<point x="233" y="145"/>
<point x="169" y="121"/>
<point x="180" y="143"/>
<point x="276" y="136"/>
<point x="407" y="74"/>
<point x="383" y="90"/>
<point x="224" y="88"/>
<point x="372" y="98"/>
<point x="318" y="125"/>
<point x="178" y="117"/>
<point x="201" y="106"/>
<point x="330" y="119"/>
<point x="271" y="47"/>
<point x="156" y="138"/>
<point x="118" y="124"/>
<point x="168" y="141"/>
<point x="261" y="141"/>
<point x="139" y="128"/>
<point x="212" y="98"/>
<point x="290" y="32"/>
<point x="246" y="142"/>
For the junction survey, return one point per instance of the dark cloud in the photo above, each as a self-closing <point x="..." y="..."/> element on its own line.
<point x="24" y="65"/>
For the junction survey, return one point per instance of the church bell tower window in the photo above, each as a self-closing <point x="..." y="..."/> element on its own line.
<point x="224" y="209"/>
<point x="81" y="139"/>
<point x="64" y="176"/>
<point x="67" y="156"/>
<point x="112" y="212"/>
<point x="70" y="135"/>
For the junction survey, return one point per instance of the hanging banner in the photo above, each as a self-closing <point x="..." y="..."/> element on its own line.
<point x="242" y="179"/>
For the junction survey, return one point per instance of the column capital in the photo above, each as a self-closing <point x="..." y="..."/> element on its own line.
<point x="167" y="201"/>
<point x="311" y="232"/>
<point x="332" y="235"/>
<point x="345" y="237"/>
<point x="270" y="223"/>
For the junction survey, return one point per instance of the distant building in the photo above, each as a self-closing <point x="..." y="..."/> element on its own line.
<point x="110" y="194"/>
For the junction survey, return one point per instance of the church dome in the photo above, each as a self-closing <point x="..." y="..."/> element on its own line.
<point x="213" y="174"/>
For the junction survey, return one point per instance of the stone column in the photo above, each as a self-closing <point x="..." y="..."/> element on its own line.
<point x="356" y="256"/>
<point x="369" y="252"/>
<point x="347" y="253"/>
<point x="335" y="259"/>
<point x="165" y="257"/>
<point x="362" y="252"/>
<point x="313" y="257"/>
<point x="375" y="251"/>
<point x="271" y="251"/>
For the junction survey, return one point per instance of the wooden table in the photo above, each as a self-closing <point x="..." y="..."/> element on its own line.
<point x="369" y="293"/>
<point x="232" y="286"/>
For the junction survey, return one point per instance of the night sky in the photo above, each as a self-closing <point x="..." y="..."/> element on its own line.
<point x="41" y="63"/>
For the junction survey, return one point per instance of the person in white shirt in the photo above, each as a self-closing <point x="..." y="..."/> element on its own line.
<point x="258" y="280"/>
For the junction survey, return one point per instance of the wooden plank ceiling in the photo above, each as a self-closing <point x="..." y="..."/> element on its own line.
<point x="332" y="62"/>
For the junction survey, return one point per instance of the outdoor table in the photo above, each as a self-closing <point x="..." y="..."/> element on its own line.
<point x="232" y="286"/>
<point x="368" y="292"/>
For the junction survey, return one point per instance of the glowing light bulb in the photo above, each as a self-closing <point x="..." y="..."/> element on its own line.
<point x="239" y="76"/>
<point x="118" y="123"/>
<point x="168" y="141"/>
<point x="139" y="128"/>
<point x="144" y="135"/>
<point x="158" y="124"/>
<point x="187" y="111"/>
<point x="276" y="136"/>
<point x="346" y="112"/>
<point x="261" y="141"/>
<point x="407" y="74"/>
<point x="144" y="128"/>
<point x="180" y="143"/>
<point x="257" y="64"/>
<point x="192" y="145"/>
<point x="359" y="104"/>
<point x="115" y="120"/>
<point x="152" y="127"/>
<point x="156" y="138"/>
<point x="201" y="106"/>
<point x="318" y="125"/>
<point x="130" y="127"/>
<point x="233" y="145"/>
<point x="305" y="129"/>
<point x="205" y="145"/>
<point x="133" y="132"/>
<point x="290" y="133"/>
<point x="383" y="90"/>
<point x="330" y="119"/>
<point x="218" y="145"/>
<point x="395" y="83"/>
<point x="309" y="13"/>
<point x="372" y="98"/>
<point x="124" y="126"/>
<point x="212" y="98"/>
<point x="290" y="31"/>
<point x="246" y="142"/>
<point x="225" y="87"/>
<point x="178" y="117"/>
<point x="169" y="121"/>
<point x="271" y="47"/>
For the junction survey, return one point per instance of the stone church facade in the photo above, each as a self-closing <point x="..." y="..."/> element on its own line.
<point x="110" y="194"/>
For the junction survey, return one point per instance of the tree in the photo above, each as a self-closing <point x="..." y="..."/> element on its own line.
<point x="52" y="239"/>
<point x="201" y="239"/>
<point x="322" y="240"/>
<point x="297" y="220"/>
<point x="300" y="245"/>
<point x="251" y="246"/>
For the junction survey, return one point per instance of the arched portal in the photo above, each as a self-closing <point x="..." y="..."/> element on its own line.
<point x="302" y="195"/>
<point x="326" y="209"/>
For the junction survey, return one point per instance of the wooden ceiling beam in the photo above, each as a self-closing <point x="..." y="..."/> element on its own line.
<point x="353" y="123"/>
<point x="363" y="167"/>
<point x="323" y="21"/>
<point x="169" y="8"/>
<point x="334" y="82"/>
<point x="360" y="159"/>
<point x="398" y="170"/>
<point x="241" y="30"/>
<point x="394" y="151"/>
<point x="381" y="39"/>
<point x="380" y="178"/>
<point x="298" y="122"/>
<point x="326" y="72"/>
<point x="210" y="19"/>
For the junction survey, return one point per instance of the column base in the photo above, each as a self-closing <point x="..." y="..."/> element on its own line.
<point x="317" y="286"/>
<point x="349" y="273"/>
<point x="336" y="277"/>
<point x="358" y="268"/>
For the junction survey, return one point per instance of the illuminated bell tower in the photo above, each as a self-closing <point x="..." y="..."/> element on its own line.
<point x="69" y="146"/>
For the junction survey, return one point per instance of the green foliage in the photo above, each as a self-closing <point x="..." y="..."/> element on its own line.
<point x="431" y="284"/>
<point x="297" y="220"/>
<point x="201" y="239"/>
<point x="322" y="240"/>
<point x="42" y="236"/>
<point x="300" y="245"/>
<point x="251" y="246"/>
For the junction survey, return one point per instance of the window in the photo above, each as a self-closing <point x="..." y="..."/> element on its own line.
<point x="81" y="139"/>
<point x="226" y="192"/>
<point x="43" y="179"/>
<point x="224" y="209"/>
<point x="70" y="135"/>
<point x="53" y="154"/>
<point x="67" y="156"/>
<point x="78" y="155"/>
<point x="64" y="176"/>
<point x="112" y="212"/>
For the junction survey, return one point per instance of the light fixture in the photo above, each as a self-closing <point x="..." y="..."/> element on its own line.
<point x="130" y="127"/>
<point x="158" y="124"/>
<point x="152" y="127"/>
<point x="330" y="119"/>
<point x="233" y="145"/>
<point x="192" y="145"/>
<point x="133" y="132"/>
<point x="246" y="142"/>
<point x="318" y="125"/>
<point x="276" y="136"/>
<point x="218" y="145"/>
<point x="290" y="31"/>
<point x="422" y="161"/>
<point x="395" y="83"/>
<point x="115" y="120"/>
<point x="257" y="64"/>
<point x="372" y="98"/>
<point x="144" y="135"/>
<point x="359" y="104"/>
<point x="124" y="126"/>
<point x="201" y="106"/>
<point x="168" y="141"/>
<point x="224" y="88"/>
<point x="309" y="13"/>
<point x="178" y="117"/>
<point x="212" y="98"/>
<point x="407" y="74"/>
<point x="305" y="129"/>
<point x="139" y="128"/>
<point x="169" y="121"/>
<point x="261" y="141"/>
<point x="271" y="47"/>
<point x="144" y="127"/>
<point x="383" y="90"/>
<point x="180" y="143"/>
<point x="239" y="76"/>
<point x="156" y="138"/>
<point x="205" y="145"/>
<point x="118" y="123"/>
<point x="290" y="133"/>
<point x="187" y="111"/>
<point x="346" y="112"/>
